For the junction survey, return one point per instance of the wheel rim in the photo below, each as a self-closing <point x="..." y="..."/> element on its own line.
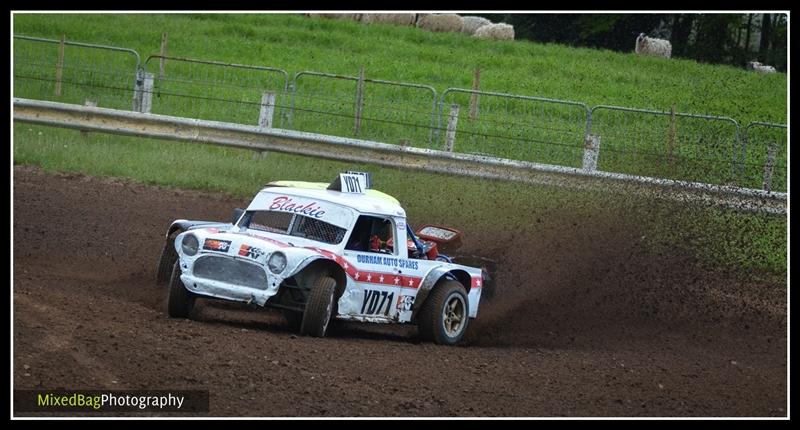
<point x="454" y="315"/>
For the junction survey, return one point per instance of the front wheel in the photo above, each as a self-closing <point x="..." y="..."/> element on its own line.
<point x="444" y="316"/>
<point x="167" y="259"/>
<point x="180" y="301"/>
<point x="319" y="307"/>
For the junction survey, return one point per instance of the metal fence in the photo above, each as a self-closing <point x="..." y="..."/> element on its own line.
<point x="667" y="145"/>
<point x="215" y="90"/>
<point x="72" y="72"/>
<point x="512" y="126"/>
<point x="763" y="156"/>
<point x="354" y="106"/>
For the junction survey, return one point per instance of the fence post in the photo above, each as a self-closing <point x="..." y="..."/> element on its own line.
<point x="163" y="53"/>
<point x="359" y="101"/>
<point x="93" y="103"/>
<point x="473" y="101"/>
<point x="671" y="138"/>
<point x="60" y="65"/>
<point x="138" y="85"/>
<point x="265" y="117"/>
<point x="267" y="109"/>
<point x="452" y="122"/>
<point x="147" y="93"/>
<point x="290" y="114"/>
<point x="591" y="149"/>
<point x="768" y="166"/>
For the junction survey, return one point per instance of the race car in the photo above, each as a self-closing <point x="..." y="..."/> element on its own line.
<point x="323" y="252"/>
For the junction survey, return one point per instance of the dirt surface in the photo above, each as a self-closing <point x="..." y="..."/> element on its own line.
<point x="586" y="322"/>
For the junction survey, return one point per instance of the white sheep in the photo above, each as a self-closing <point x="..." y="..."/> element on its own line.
<point x="350" y="16"/>
<point x="389" y="18"/>
<point x="652" y="46"/>
<point x="495" y="31"/>
<point x="441" y="22"/>
<point x="473" y="23"/>
<point x="758" y="67"/>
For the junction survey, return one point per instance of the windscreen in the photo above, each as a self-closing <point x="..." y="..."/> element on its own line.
<point x="294" y="225"/>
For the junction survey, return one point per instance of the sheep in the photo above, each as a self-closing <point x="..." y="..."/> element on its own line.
<point x="472" y="23"/>
<point x="350" y="16"/>
<point x="758" y="67"/>
<point x="495" y="31"/>
<point x="652" y="46"/>
<point x="441" y="22"/>
<point x="389" y="18"/>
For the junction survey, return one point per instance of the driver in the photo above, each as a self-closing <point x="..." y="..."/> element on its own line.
<point x="380" y="242"/>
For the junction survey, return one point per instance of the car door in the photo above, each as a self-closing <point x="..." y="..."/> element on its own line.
<point x="373" y="270"/>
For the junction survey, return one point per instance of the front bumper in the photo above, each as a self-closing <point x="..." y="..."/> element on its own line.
<point x="228" y="291"/>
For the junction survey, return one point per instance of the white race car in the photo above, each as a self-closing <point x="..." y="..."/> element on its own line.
<point x="323" y="251"/>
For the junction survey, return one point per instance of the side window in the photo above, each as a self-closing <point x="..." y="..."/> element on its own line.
<point x="372" y="234"/>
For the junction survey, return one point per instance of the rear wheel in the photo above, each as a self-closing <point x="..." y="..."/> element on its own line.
<point x="180" y="301"/>
<point x="444" y="316"/>
<point x="319" y="307"/>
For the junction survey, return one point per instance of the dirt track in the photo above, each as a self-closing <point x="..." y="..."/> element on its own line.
<point x="638" y="335"/>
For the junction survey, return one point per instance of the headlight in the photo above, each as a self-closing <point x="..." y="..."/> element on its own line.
<point x="189" y="244"/>
<point x="277" y="262"/>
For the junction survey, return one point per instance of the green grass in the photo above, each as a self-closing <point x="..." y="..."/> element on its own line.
<point x="443" y="60"/>
<point x="294" y="43"/>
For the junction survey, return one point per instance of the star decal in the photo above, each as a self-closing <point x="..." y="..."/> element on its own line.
<point x="396" y="280"/>
<point x="369" y="277"/>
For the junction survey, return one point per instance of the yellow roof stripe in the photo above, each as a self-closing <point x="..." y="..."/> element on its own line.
<point x="324" y="186"/>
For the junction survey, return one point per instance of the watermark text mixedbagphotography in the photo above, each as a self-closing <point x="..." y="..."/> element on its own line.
<point x="111" y="401"/>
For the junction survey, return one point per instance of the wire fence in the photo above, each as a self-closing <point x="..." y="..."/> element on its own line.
<point x="764" y="154"/>
<point x="214" y="90"/>
<point x="72" y="72"/>
<point x="512" y="126"/>
<point x="354" y="106"/>
<point x="666" y="145"/>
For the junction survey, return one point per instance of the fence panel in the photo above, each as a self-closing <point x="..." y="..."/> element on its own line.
<point x="666" y="145"/>
<point x="372" y="109"/>
<point x="72" y="72"/>
<point x="764" y="152"/>
<point x="516" y="127"/>
<point x="215" y="90"/>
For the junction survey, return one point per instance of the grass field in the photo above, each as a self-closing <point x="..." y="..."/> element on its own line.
<point x="295" y="43"/>
<point x="442" y="60"/>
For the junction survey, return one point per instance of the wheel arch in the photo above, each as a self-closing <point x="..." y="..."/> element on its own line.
<point x="432" y="279"/>
<point x="316" y="266"/>
<point x="184" y="224"/>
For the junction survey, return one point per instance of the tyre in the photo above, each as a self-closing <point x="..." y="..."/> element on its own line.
<point x="181" y="301"/>
<point x="168" y="258"/>
<point x="444" y="316"/>
<point x="319" y="307"/>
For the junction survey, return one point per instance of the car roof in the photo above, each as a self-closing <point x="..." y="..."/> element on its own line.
<point x="372" y="201"/>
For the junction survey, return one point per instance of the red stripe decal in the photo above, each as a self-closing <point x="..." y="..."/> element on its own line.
<point x="380" y="278"/>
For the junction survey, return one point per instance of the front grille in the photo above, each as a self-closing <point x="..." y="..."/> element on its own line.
<point x="232" y="271"/>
